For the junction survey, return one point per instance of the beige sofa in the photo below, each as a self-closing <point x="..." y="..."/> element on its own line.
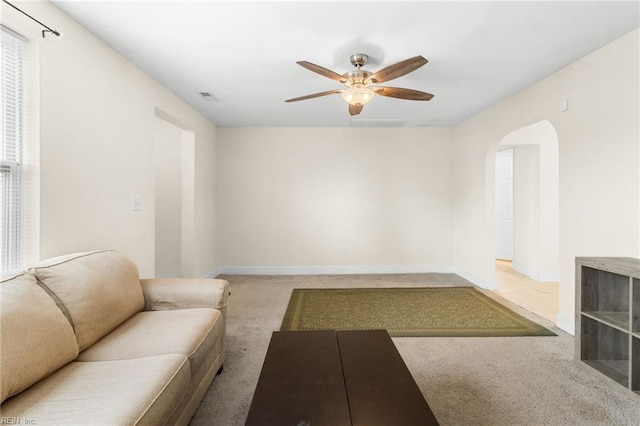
<point x="84" y="341"/>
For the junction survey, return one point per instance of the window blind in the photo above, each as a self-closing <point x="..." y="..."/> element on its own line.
<point x="11" y="151"/>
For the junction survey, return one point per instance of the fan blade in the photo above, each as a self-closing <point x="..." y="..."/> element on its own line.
<point x="399" y="69"/>
<point x="315" y="95"/>
<point x="400" y="93"/>
<point x="355" y="109"/>
<point x="322" y="71"/>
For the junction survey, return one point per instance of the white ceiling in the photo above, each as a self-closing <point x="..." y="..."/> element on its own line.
<point x="245" y="53"/>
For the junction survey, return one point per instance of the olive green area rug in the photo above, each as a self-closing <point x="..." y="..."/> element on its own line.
<point x="407" y="312"/>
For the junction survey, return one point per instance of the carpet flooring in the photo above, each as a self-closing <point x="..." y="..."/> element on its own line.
<point x="407" y="312"/>
<point x="466" y="380"/>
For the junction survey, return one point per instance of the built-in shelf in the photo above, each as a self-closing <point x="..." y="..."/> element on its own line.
<point x="608" y="317"/>
<point x="619" y="320"/>
<point x="617" y="370"/>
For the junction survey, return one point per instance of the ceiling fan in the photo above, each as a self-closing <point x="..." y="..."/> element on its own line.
<point x="361" y="84"/>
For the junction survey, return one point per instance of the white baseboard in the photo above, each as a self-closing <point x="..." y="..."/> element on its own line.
<point x="566" y="324"/>
<point x="548" y="277"/>
<point x="535" y="275"/>
<point x="333" y="269"/>
<point x="213" y="273"/>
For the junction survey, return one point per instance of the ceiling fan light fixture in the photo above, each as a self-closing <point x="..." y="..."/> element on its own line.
<point x="358" y="94"/>
<point x="362" y="84"/>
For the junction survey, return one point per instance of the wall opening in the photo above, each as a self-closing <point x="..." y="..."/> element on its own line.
<point x="535" y="200"/>
<point x="174" y="199"/>
<point x="534" y="223"/>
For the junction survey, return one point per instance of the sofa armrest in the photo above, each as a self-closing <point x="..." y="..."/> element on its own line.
<point x="182" y="293"/>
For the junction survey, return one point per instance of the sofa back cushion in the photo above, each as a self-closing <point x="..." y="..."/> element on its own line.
<point x="98" y="291"/>
<point x="36" y="337"/>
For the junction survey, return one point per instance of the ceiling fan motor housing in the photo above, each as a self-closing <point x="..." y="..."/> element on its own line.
<point x="359" y="59"/>
<point x="357" y="77"/>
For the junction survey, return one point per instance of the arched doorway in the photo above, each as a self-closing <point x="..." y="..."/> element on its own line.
<point x="530" y="276"/>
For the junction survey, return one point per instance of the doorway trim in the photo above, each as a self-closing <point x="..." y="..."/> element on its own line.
<point x="186" y="139"/>
<point x="503" y="213"/>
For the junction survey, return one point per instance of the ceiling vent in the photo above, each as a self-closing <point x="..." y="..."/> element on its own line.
<point x="377" y="122"/>
<point x="207" y="96"/>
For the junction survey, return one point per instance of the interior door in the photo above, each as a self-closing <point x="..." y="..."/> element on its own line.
<point x="504" y="205"/>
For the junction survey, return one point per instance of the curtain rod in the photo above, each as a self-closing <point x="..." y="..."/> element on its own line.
<point x="48" y="29"/>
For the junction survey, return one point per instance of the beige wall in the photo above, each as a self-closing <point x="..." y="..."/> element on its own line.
<point x="599" y="161"/>
<point x="97" y="147"/>
<point x="295" y="198"/>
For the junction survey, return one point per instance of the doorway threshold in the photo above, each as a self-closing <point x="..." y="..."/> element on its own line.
<point x="541" y="298"/>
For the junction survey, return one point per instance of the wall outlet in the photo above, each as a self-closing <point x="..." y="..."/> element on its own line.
<point x="345" y="251"/>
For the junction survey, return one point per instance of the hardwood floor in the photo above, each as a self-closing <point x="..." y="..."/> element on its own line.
<point x="540" y="298"/>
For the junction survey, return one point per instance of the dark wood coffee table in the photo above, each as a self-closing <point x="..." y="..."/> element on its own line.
<point x="336" y="378"/>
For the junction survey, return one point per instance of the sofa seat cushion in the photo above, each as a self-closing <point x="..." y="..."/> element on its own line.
<point x="98" y="291"/>
<point x="190" y="332"/>
<point x="36" y="337"/>
<point x="134" y="391"/>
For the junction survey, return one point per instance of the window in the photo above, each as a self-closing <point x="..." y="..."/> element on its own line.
<point x="11" y="151"/>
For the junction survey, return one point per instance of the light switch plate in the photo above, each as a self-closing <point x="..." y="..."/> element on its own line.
<point x="564" y="105"/>
<point x="135" y="204"/>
